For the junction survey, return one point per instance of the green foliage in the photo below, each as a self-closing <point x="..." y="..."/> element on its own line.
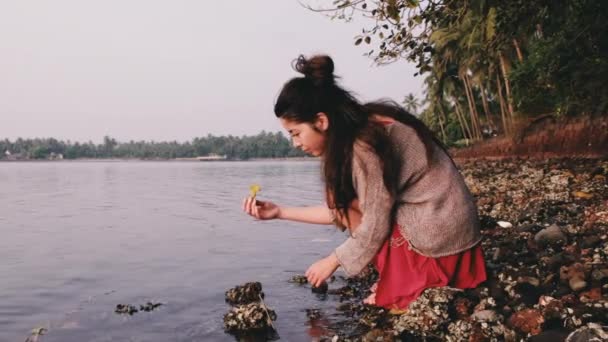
<point x="40" y="152"/>
<point x="495" y="60"/>
<point x="263" y="145"/>
<point x="566" y="69"/>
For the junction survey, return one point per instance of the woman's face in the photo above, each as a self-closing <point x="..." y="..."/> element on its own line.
<point x="309" y="137"/>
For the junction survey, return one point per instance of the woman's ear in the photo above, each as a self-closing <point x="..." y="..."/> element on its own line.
<point x="322" y="122"/>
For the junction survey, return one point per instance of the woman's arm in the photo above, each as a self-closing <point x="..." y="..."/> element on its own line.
<point x="265" y="210"/>
<point x="314" y="215"/>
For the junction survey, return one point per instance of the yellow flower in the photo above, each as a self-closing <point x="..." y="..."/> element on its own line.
<point x="254" y="189"/>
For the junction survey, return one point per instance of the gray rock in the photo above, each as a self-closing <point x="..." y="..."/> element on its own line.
<point x="599" y="274"/>
<point x="485" y="316"/>
<point x="550" y="235"/>
<point x="530" y="280"/>
<point x="591" y="333"/>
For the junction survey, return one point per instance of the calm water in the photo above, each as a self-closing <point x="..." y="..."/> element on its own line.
<point x="77" y="238"/>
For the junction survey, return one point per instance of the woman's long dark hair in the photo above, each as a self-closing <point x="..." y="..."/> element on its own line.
<point x="302" y="98"/>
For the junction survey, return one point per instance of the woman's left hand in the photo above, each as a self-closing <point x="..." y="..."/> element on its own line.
<point x="318" y="272"/>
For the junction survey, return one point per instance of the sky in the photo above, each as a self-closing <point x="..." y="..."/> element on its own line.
<point x="167" y="70"/>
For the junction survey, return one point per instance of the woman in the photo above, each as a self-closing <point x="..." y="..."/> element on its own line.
<point x="389" y="181"/>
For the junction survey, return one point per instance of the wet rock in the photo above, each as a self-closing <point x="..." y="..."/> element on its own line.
<point x="252" y="316"/>
<point x="149" y="306"/>
<point x="249" y="318"/>
<point x="549" y="236"/>
<point x="428" y="314"/>
<point x="299" y="279"/>
<point x="321" y="289"/>
<point x="126" y="309"/>
<point x="245" y="294"/>
<point x="373" y="316"/>
<point x="591" y="333"/>
<point x="345" y="292"/>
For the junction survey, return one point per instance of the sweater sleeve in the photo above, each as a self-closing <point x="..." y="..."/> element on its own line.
<point x="376" y="206"/>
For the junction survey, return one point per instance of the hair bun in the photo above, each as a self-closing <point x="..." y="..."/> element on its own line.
<point x="320" y="69"/>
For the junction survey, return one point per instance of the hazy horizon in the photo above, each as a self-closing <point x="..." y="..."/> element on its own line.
<point x="159" y="71"/>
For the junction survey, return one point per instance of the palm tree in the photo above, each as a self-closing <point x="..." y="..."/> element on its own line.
<point x="411" y="104"/>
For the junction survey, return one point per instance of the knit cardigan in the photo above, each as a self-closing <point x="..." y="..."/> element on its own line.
<point x="432" y="204"/>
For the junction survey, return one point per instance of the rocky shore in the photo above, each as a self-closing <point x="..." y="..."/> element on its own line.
<point x="545" y="227"/>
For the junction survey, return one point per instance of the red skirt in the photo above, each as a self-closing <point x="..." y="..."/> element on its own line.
<point x="405" y="274"/>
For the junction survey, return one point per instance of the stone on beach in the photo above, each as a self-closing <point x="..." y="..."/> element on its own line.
<point x="245" y="294"/>
<point x="551" y="235"/>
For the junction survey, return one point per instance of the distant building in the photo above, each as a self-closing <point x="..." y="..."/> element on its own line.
<point x="212" y="157"/>
<point x="13" y="156"/>
<point x="55" y="156"/>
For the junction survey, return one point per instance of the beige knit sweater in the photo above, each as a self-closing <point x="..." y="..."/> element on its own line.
<point x="432" y="206"/>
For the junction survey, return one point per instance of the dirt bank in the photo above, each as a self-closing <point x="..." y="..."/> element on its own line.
<point x="546" y="137"/>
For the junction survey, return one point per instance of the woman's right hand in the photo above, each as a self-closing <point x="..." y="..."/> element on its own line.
<point x="262" y="210"/>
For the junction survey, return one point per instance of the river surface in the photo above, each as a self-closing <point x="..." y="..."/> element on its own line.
<point x="77" y="238"/>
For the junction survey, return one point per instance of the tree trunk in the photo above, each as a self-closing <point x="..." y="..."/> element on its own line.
<point x="477" y="120"/>
<point x="503" y="107"/>
<point x="472" y="109"/>
<point x="520" y="57"/>
<point x="441" y="117"/>
<point x="503" y="68"/>
<point x="486" y="106"/>
<point x="539" y="31"/>
<point x="462" y="128"/>
<point x="463" y="121"/>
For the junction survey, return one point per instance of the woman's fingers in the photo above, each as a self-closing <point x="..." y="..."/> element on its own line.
<point x="247" y="206"/>
<point x="312" y="278"/>
<point x="255" y="210"/>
